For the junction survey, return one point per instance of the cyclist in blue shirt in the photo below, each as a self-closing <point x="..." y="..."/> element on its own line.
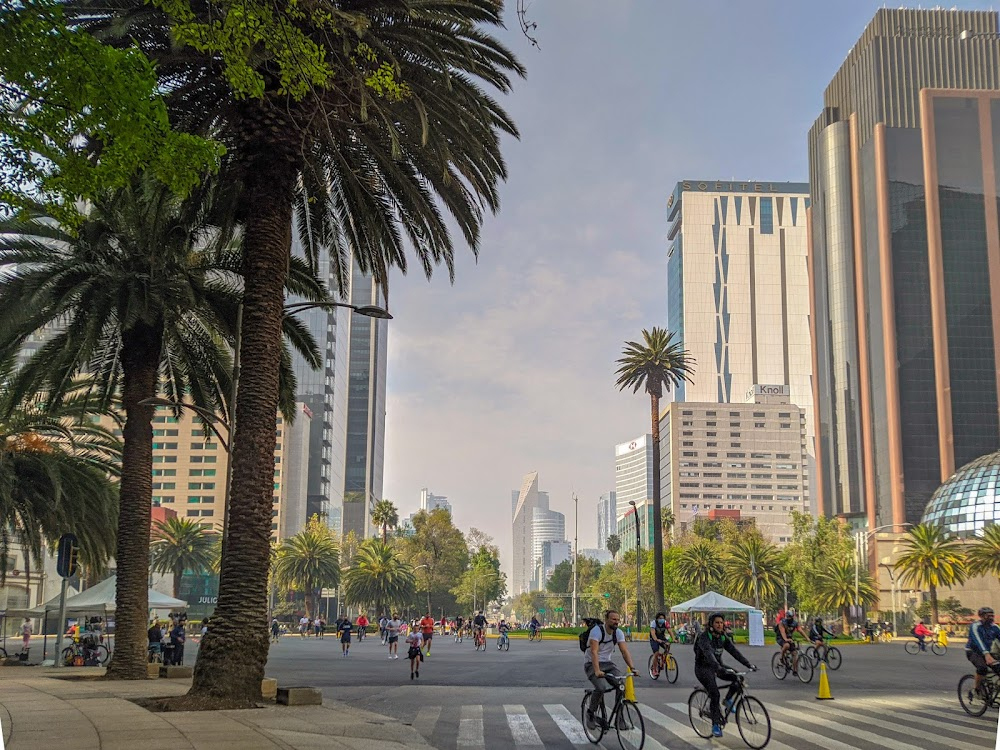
<point x="981" y="637"/>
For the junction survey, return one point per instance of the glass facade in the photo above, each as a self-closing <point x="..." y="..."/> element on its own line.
<point x="970" y="500"/>
<point x="766" y="216"/>
<point x="675" y="297"/>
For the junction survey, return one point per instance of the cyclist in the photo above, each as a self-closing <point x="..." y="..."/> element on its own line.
<point x="479" y="626"/>
<point x="362" y="626"/>
<point x="659" y="640"/>
<point x="427" y="626"/>
<point x="534" y="625"/>
<point x="783" y="632"/>
<point x="459" y="624"/>
<point x="816" y="633"/>
<point x="708" y="666"/>
<point x="981" y="637"/>
<point x="920" y="632"/>
<point x="503" y="628"/>
<point x="597" y="663"/>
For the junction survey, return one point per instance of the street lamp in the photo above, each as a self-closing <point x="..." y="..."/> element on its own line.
<point x="576" y="543"/>
<point x="638" y="568"/>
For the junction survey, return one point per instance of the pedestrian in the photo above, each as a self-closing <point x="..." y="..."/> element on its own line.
<point x="303" y="626"/>
<point x="204" y="628"/>
<point x="392" y="626"/>
<point x="25" y="634"/>
<point x="383" y="629"/>
<point x="322" y="626"/>
<point x="315" y="625"/>
<point x="415" y="640"/>
<point x="427" y="631"/>
<point x="345" y="636"/>
<point x="178" y="636"/>
<point x="275" y="629"/>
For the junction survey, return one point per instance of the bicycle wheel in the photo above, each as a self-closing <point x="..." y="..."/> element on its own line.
<point x="700" y="713"/>
<point x="972" y="702"/>
<point x="912" y="647"/>
<point x="67" y="656"/>
<point x="754" y="722"/>
<point x="778" y="667"/>
<point x="671" y="669"/>
<point x="631" y="730"/>
<point x="833" y="658"/>
<point x="595" y="733"/>
<point x="938" y="649"/>
<point x="103" y="654"/>
<point x="812" y="655"/>
<point x="805" y="670"/>
<point x="653" y="673"/>
<point x="506" y="644"/>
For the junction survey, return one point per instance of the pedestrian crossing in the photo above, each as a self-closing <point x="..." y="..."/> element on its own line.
<point x="857" y="723"/>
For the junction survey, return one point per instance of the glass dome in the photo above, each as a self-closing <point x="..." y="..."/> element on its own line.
<point x="970" y="500"/>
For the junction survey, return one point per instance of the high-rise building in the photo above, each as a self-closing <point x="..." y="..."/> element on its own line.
<point x="633" y="474"/>
<point x="292" y="511"/>
<point x="552" y="553"/>
<point x="429" y="501"/>
<point x="524" y="503"/>
<point x="601" y="555"/>
<point x="606" y="518"/>
<point x="627" y="530"/>
<point x="904" y="166"/>
<point x="738" y="289"/>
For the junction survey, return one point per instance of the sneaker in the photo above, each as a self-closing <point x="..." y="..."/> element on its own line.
<point x="591" y="720"/>
<point x="418" y="673"/>
<point x="390" y="657"/>
<point x="411" y="675"/>
<point x="728" y="703"/>
<point x="716" y="730"/>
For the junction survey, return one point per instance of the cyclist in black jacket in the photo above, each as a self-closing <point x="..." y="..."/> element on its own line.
<point x="708" y="666"/>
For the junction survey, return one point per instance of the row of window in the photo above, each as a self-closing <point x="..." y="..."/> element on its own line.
<point x="191" y="472"/>
<point x="781" y="415"/>
<point x="191" y="485"/>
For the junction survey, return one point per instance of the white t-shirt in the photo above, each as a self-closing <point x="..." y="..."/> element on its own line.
<point x="415" y="639"/>
<point x="304" y="621"/>
<point x="393" y="626"/>
<point x="607" y="645"/>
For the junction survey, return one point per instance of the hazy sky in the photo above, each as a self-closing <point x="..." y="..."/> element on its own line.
<point x="512" y="369"/>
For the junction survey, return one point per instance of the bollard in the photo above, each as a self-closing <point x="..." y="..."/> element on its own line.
<point x="824" y="684"/>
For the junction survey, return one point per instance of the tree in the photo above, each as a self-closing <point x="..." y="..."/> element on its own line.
<point x="835" y="589"/>
<point x="983" y="552"/>
<point x="613" y="545"/>
<point x="668" y="524"/>
<point x="816" y="543"/>
<point x="334" y="113"/>
<point x="180" y="544"/>
<point x="480" y="585"/>
<point x="349" y="544"/>
<point x="931" y="558"/>
<point x="587" y="570"/>
<point x="656" y="364"/>
<point x="307" y="562"/>
<point x="436" y="552"/>
<point x="379" y="578"/>
<point x="701" y="564"/>
<point x="753" y="569"/>
<point x="142" y="298"/>
<point x="384" y="514"/>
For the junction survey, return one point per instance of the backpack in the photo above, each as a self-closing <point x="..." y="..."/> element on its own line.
<point x="590" y="622"/>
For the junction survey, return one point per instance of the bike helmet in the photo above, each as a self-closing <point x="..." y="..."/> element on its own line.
<point x="790" y="614"/>
<point x="983" y="611"/>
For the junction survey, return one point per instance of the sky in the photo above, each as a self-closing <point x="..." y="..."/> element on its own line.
<point x="512" y="369"/>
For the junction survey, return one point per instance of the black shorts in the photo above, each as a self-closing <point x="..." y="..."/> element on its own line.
<point x="978" y="661"/>
<point x="345" y="638"/>
<point x="414" y="653"/>
<point x="427" y="637"/>
<point x="393" y="639"/>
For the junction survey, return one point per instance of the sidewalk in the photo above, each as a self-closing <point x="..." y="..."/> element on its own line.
<point x="39" y="712"/>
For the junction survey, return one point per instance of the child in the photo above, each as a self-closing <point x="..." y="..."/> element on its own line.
<point x="415" y="641"/>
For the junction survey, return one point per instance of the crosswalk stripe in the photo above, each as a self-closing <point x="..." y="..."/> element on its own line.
<point x="683" y="732"/>
<point x="854" y="731"/>
<point x="567" y="723"/>
<point x="427" y="719"/>
<point x="950" y="726"/>
<point x="956" y="716"/>
<point x="521" y="728"/>
<point x="470" y="727"/>
<point x="810" y="735"/>
<point x="773" y="743"/>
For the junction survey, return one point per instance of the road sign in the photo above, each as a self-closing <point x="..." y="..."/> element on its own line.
<point x="66" y="560"/>
<point x="559" y="609"/>
<point x="607" y="595"/>
<point x="541" y="611"/>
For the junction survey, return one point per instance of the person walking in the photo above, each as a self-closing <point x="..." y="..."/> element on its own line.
<point x="304" y="626"/>
<point x="275" y="629"/>
<point x="415" y="640"/>
<point x="345" y="636"/>
<point x="178" y="636"/>
<point x="392" y="627"/>
<point x="25" y="634"/>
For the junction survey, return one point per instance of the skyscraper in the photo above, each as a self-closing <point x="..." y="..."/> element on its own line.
<point x="606" y="519"/>
<point x="429" y="501"/>
<point x="906" y="261"/>
<point x="633" y="474"/>
<point x="524" y="505"/>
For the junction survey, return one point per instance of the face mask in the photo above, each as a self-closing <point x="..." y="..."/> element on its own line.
<point x="660" y="622"/>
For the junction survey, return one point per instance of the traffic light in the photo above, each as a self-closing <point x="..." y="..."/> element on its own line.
<point x="66" y="561"/>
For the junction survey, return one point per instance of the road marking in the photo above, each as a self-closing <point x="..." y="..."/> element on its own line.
<point x="808" y="734"/>
<point x="470" y="727"/>
<point x="877" y="740"/>
<point x="427" y="719"/>
<point x="772" y="743"/>
<point x="567" y="723"/>
<point x="954" y="717"/>
<point x="521" y="728"/>
<point x="675" y="727"/>
<point x="948" y="724"/>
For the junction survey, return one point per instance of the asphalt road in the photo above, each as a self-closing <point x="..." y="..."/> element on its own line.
<point x="530" y="695"/>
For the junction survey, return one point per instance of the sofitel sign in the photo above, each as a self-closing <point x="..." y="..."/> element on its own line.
<point x="745" y="187"/>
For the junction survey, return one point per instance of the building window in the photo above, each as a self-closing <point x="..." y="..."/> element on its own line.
<point x="767" y="216"/>
<point x="708" y="434"/>
<point x="687" y="413"/>
<point x="688" y="444"/>
<point x="785" y="425"/>
<point x="758" y="425"/>
<point x="690" y="454"/>
<point x="687" y="433"/>
<point x="712" y="445"/>
<point x="734" y="434"/>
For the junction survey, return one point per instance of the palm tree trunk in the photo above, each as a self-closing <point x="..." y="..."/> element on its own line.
<point x="385" y="534"/>
<point x="178" y="575"/>
<point x="231" y="658"/>
<point x="654" y="402"/>
<point x="934" y="605"/>
<point x="140" y="357"/>
<point x="846" y="620"/>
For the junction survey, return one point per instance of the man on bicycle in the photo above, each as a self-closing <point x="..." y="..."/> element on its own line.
<point x="503" y="628"/>
<point x="920" y="632"/>
<point x="597" y="663"/>
<point x="981" y="637"/>
<point x="783" y="632"/>
<point x="459" y="624"/>
<point x="817" y="631"/>
<point x="534" y="625"/>
<point x="479" y="625"/>
<point x="659" y="639"/>
<point x="708" y="666"/>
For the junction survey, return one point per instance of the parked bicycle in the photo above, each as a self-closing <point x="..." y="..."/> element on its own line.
<point x="503" y="642"/>
<point x="752" y="718"/>
<point x="665" y="664"/>
<point x="625" y="718"/>
<point x="830" y="654"/>
<point x="86" y="650"/>
<point x="782" y="665"/>
<point x="975" y="702"/>
<point x="913" y="647"/>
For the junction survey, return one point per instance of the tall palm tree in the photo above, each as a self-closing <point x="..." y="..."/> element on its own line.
<point x="614" y="544"/>
<point x="931" y="558"/>
<point x="753" y="569"/>
<point x="701" y="564"/>
<point x="379" y="578"/>
<point x="835" y="589"/>
<point x="142" y="298"/>
<point x="984" y="552"/>
<point x="367" y="182"/>
<point x="180" y="544"/>
<point x="658" y="363"/>
<point x="384" y="514"/>
<point x="668" y="524"/>
<point x="307" y="562"/>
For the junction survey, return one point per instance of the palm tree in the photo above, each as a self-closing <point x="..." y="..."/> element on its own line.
<point x="614" y="544"/>
<point x="379" y="577"/>
<point x="367" y="182"/>
<point x="753" y="569"/>
<point x="384" y="514"/>
<point x="701" y="564"/>
<point x="835" y="589"/>
<point x="931" y="558"/>
<point x="180" y="544"/>
<point x="657" y="364"/>
<point x="142" y="298"/>
<point x="668" y="524"/>
<point x="307" y="562"/>
<point x="984" y="552"/>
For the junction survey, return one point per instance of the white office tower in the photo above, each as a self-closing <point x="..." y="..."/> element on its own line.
<point x="524" y="503"/>
<point x="429" y="501"/>
<point x="606" y="518"/>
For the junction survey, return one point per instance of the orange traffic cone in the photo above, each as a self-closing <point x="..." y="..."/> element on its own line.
<point x="824" y="684"/>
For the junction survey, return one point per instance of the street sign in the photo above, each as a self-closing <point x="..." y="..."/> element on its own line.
<point x="541" y="611"/>
<point x="66" y="560"/>
<point x="607" y="595"/>
<point x="559" y="609"/>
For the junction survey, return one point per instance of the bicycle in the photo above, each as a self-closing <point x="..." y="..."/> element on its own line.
<point x="752" y="718"/>
<point x="534" y="634"/>
<point x="480" y="640"/>
<point x="913" y="647"/>
<point x="661" y="662"/>
<point x="87" y="649"/>
<point x="625" y="717"/>
<point x="458" y="635"/>
<point x="781" y="665"/>
<point x="503" y="642"/>
<point x="975" y="702"/>
<point x="830" y="654"/>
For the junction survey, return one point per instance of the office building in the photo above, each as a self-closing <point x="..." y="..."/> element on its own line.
<point x="293" y="507"/>
<point x="524" y="505"/>
<point x="633" y="473"/>
<point x="739" y="461"/>
<point x="429" y="501"/>
<point x="627" y="530"/>
<point x="553" y="553"/>
<point x="606" y="518"/>
<point x="738" y="289"/>
<point x="601" y="555"/>
<point x="906" y="262"/>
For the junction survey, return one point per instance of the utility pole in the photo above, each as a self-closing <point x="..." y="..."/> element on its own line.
<point x="576" y="543"/>
<point x="638" y="567"/>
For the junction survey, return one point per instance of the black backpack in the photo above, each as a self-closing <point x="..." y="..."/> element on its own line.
<point x="590" y="622"/>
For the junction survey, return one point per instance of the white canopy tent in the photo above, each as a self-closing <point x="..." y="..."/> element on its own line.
<point x="101" y="598"/>
<point x="711" y="601"/>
